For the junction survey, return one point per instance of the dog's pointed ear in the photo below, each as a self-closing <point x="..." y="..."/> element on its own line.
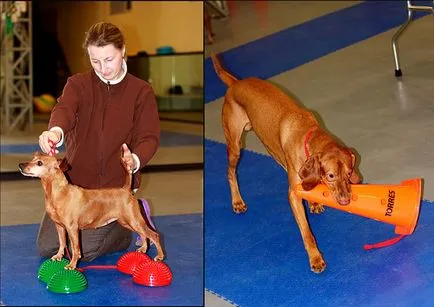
<point x="63" y="165"/>
<point x="310" y="173"/>
<point x="354" y="178"/>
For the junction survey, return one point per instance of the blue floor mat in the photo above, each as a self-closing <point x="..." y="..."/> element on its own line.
<point x="258" y="258"/>
<point x="182" y="237"/>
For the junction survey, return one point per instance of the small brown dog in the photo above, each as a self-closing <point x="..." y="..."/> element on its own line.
<point x="73" y="208"/>
<point x="293" y="137"/>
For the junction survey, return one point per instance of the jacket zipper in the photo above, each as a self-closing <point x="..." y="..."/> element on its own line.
<point x="102" y="130"/>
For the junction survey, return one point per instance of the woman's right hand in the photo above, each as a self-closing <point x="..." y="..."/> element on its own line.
<point x="46" y="137"/>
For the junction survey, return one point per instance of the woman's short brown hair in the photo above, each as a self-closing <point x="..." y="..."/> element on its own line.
<point x="102" y="34"/>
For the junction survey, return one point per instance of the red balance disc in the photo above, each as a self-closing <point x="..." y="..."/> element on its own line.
<point x="129" y="262"/>
<point x="153" y="274"/>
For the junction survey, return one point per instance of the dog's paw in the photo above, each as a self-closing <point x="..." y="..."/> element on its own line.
<point x="239" y="207"/>
<point x="70" y="266"/>
<point x="158" y="258"/>
<point x="57" y="257"/>
<point x="316" y="208"/>
<point x="143" y="249"/>
<point x="317" y="264"/>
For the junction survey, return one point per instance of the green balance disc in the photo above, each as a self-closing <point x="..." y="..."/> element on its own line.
<point x="50" y="267"/>
<point x="60" y="280"/>
<point x="67" y="281"/>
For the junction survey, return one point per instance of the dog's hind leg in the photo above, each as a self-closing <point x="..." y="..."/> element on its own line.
<point x="145" y="232"/>
<point x="147" y="215"/>
<point x="234" y="121"/>
<point x="154" y="237"/>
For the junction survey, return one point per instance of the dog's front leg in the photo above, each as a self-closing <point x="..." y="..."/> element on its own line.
<point x="61" y="232"/>
<point x="317" y="263"/>
<point x="73" y="233"/>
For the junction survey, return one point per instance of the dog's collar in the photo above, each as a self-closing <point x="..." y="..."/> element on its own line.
<point x="306" y="140"/>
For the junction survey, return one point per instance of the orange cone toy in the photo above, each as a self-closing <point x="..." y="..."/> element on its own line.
<point x="393" y="204"/>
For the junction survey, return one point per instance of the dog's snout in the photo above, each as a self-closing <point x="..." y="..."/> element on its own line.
<point x="344" y="201"/>
<point x="344" y="198"/>
<point x="21" y="166"/>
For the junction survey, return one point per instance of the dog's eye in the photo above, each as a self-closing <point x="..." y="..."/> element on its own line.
<point x="39" y="163"/>
<point x="330" y="176"/>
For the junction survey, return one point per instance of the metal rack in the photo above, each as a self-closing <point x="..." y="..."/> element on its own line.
<point x="410" y="9"/>
<point x="16" y="82"/>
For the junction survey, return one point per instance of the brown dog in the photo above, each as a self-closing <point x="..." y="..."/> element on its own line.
<point x="73" y="208"/>
<point x="293" y="137"/>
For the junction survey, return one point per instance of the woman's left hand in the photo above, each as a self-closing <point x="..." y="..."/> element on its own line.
<point x="128" y="157"/>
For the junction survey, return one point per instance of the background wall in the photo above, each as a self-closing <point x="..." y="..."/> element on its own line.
<point x="146" y="26"/>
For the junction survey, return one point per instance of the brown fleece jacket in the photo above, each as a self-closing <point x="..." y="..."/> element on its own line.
<point x="97" y="118"/>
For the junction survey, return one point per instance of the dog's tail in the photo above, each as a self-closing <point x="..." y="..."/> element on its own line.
<point x="224" y="75"/>
<point x="128" y="174"/>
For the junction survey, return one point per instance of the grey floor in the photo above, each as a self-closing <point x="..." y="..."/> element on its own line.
<point x="389" y="121"/>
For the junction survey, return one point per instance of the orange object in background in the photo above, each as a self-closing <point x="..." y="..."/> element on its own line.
<point x="393" y="204"/>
